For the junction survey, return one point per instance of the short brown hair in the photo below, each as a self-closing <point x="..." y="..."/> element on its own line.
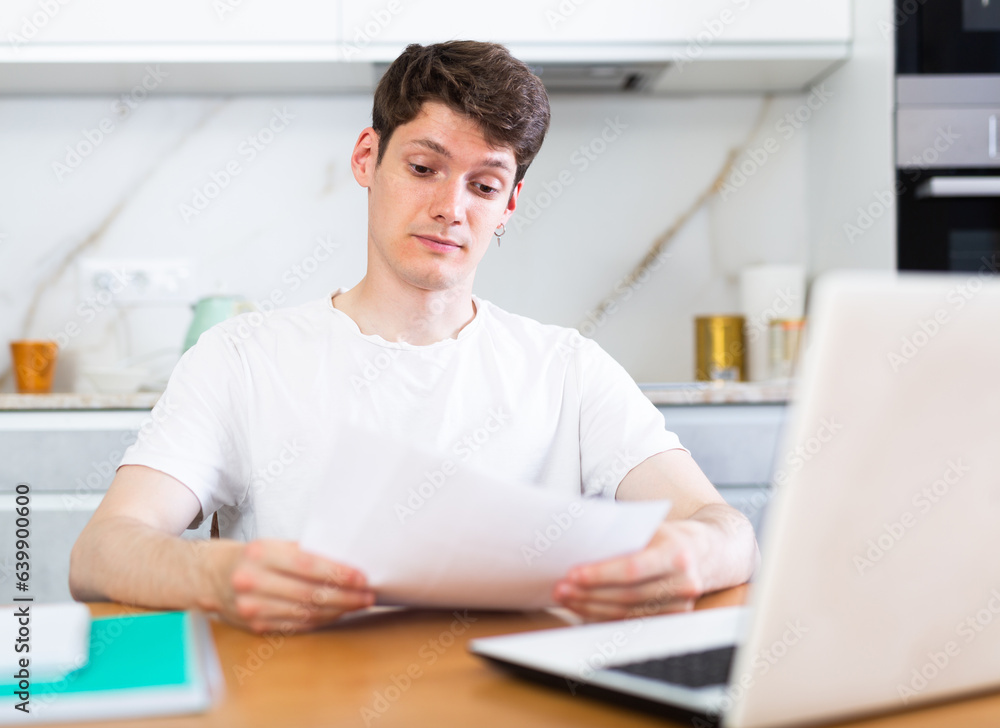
<point x="480" y="80"/>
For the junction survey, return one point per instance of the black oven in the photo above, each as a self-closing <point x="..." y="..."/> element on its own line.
<point x="948" y="134"/>
<point x="947" y="36"/>
<point x="949" y="220"/>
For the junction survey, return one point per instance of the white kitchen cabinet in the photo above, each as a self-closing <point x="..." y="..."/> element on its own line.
<point x="734" y="444"/>
<point x="312" y="46"/>
<point x="107" y="22"/>
<point x="55" y="526"/>
<point x="383" y="22"/>
<point x="46" y="22"/>
<point x="211" y="46"/>
<point x="705" y="46"/>
<point x="767" y="21"/>
<point x="515" y="21"/>
<point x="68" y="458"/>
<point x="738" y="448"/>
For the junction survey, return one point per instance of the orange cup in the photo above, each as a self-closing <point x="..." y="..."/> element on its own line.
<point x="34" y="365"/>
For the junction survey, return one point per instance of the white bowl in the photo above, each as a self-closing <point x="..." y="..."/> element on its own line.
<point x="116" y="380"/>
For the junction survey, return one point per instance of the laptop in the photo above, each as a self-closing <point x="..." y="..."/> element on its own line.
<point x="878" y="588"/>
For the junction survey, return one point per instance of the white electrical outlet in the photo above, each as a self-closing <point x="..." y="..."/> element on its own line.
<point x="136" y="281"/>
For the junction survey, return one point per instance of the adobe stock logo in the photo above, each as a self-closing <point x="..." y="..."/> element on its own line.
<point x="582" y="158"/>
<point x="203" y="195"/>
<point x="561" y="523"/>
<point x="366" y="34"/>
<point x="926" y="329"/>
<point x="939" y="660"/>
<point x="91" y="138"/>
<point x="33" y="24"/>
<point x="806" y="450"/>
<point x="923" y="500"/>
<point x="464" y="448"/>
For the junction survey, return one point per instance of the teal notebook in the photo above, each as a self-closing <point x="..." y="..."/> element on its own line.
<point x="140" y="665"/>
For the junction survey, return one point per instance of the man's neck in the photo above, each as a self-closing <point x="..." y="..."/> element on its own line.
<point x="406" y="313"/>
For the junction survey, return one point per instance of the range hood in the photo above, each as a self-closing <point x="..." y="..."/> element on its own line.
<point x="579" y="77"/>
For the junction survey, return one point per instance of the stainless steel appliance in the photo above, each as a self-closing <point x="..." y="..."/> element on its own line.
<point x="947" y="36"/>
<point x="947" y="136"/>
<point x="948" y="173"/>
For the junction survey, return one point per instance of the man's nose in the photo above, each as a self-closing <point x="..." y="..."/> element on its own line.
<point x="447" y="205"/>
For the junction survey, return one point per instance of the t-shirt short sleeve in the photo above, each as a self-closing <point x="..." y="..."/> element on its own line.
<point x="197" y="433"/>
<point x="619" y="426"/>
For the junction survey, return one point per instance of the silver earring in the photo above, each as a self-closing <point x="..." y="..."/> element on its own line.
<point x="503" y="231"/>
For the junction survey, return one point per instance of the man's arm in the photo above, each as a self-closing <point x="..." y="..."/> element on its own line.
<point x="704" y="545"/>
<point x="131" y="552"/>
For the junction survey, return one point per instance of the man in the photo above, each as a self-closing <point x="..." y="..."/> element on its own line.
<point x="409" y="351"/>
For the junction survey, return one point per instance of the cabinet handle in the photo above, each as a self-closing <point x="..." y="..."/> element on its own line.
<point x="993" y="136"/>
<point x="960" y="187"/>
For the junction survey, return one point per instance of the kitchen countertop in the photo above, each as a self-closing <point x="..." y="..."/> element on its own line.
<point x="78" y="401"/>
<point x="679" y="393"/>
<point x="686" y="393"/>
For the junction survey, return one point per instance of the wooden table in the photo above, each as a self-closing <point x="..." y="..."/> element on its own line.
<point x="333" y="677"/>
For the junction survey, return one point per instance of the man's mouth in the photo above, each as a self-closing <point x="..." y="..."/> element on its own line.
<point x="438" y="243"/>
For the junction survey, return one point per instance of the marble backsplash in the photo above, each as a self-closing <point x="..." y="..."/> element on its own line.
<point x="197" y="178"/>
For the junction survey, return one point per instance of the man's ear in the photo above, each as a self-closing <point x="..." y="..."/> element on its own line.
<point x="365" y="157"/>
<point x="512" y="202"/>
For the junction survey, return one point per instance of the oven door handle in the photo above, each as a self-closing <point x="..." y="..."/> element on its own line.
<point x="960" y="187"/>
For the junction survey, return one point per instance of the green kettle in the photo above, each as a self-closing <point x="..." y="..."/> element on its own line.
<point x="212" y="310"/>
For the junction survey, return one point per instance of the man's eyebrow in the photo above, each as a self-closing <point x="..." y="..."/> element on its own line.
<point x="433" y="146"/>
<point x="497" y="162"/>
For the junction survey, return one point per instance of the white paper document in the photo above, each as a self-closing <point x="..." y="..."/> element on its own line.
<point x="430" y="532"/>
<point x="54" y="637"/>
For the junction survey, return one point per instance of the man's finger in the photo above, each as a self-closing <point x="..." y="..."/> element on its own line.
<point x="674" y="586"/>
<point x="257" y="607"/>
<point x="651" y="563"/>
<point x="597" y="610"/>
<point x="255" y="578"/>
<point x="604" y="611"/>
<point x="286" y="556"/>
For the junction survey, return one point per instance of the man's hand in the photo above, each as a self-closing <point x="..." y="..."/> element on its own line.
<point x="663" y="577"/>
<point x="131" y="552"/>
<point x="711" y="550"/>
<point x="704" y="545"/>
<point x="268" y="586"/>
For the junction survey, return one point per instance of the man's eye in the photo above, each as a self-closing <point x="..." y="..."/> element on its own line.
<point x="420" y="169"/>
<point x="485" y="189"/>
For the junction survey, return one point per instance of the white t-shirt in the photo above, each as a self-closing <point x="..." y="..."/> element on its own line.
<point x="247" y="417"/>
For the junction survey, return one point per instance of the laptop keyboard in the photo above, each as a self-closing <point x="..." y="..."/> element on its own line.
<point x="692" y="669"/>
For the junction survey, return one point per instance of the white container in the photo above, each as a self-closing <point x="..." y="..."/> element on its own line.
<point x="768" y="292"/>
<point x="116" y="380"/>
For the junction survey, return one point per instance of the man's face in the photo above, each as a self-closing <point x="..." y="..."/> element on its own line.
<point x="435" y="199"/>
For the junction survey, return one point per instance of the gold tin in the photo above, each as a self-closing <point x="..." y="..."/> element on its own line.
<point x="719" y="349"/>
